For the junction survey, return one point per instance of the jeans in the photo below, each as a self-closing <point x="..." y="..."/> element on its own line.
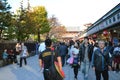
<point x="85" y="69"/>
<point x="18" y="59"/>
<point x="104" y="74"/>
<point x="25" y="61"/>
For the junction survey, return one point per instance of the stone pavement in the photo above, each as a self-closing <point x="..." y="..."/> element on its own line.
<point x="32" y="72"/>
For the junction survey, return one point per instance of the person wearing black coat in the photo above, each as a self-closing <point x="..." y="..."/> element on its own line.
<point x="86" y="51"/>
<point x="101" y="61"/>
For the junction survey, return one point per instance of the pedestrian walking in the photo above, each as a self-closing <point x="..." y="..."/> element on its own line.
<point x="101" y="61"/>
<point x="76" y="61"/>
<point x="63" y="50"/>
<point x="36" y="48"/>
<point x="23" y="54"/>
<point x="86" y="51"/>
<point x="18" y="51"/>
<point x="45" y="59"/>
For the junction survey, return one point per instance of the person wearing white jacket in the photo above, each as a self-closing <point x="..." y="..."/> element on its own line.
<point x="23" y="54"/>
<point x="74" y="52"/>
<point x="42" y="47"/>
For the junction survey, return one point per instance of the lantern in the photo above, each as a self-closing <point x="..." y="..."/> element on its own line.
<point x="105" y="33"/>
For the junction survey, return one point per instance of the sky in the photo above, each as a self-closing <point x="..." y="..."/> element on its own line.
<point x="72" y="12"/>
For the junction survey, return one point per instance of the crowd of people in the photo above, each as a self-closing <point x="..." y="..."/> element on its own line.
<point x="100" y="55"/>
<point x="15" y="55"/>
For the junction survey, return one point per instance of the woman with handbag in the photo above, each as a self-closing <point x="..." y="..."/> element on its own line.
<point x="48" y="57"/>
<point x="74" y="53"/>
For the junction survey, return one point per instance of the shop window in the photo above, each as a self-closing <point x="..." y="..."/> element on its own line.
<point x="114" y="19"/>
<point x="118" y="16"/>
<point x="110" y="21"/>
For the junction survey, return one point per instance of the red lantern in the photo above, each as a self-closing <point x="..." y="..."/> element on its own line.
<point x="105" y="33"/>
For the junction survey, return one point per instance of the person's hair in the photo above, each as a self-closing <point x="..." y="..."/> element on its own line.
<point x="78" y="42"/>
<point x="48" y="42"/>
<point x="62" y="43"/>
<point x="101" y="41"/>
<point x="86" y="38"/>
<point x="76" y="45"/>
<point x="5" y="50"/>
<point x="71" y="42"/>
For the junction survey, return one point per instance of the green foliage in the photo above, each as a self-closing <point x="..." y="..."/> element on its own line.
<point x="5" y="16"/>
<point x="54" y="40"/>
<point x="26" y="22"/>
<point x="19" y="26"/>
<point x="40" y="20"/>
<point x="10" y="34"/>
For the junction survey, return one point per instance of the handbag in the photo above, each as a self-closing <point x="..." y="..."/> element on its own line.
<point x="70" y="60"/>
<point x="54" y="71"/>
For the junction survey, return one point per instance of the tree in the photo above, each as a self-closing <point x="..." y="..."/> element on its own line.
<point x="39" y="17"/>
<point x="53" y="21"/>
<point x="5" y="16"/>
<point x="22" y="25"/>
<point x="56" y="30"/>
<point x="27" y="22"/>
<point x="17" y="29"/>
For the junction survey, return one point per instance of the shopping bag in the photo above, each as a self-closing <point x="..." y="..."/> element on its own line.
<point x="70" y="60"/>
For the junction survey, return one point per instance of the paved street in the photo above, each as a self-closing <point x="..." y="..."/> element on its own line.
<point x="32" y="72"/>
